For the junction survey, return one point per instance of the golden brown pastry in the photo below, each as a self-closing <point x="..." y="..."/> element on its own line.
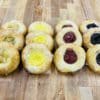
<point x="91" y="38"/>
<point x="9" y="58"/>
<point x="16" y="26"/>
<point x="87" y="25"/>
<point x="69" y="36"/>
<point x="65" y="24"/>
<point x="11" y="37"/>
<point x="41" y="38"/>
<point x="41" y="26"/>
<point x="69" y="58"/>
<point x="93" y="58"/>
<point x="36" y="58"/>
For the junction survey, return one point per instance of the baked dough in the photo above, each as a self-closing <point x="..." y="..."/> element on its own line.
<point x="36" y="58"/>
<point x="69" y="36"/>
<point x="11" y="37"/>
<point x="87" y="25"/>
<point x="16" y="26"/>
<point x="91" y="38"/>
<point x="41" y="38"/>
<point x="65" y="24"/>
<point x="41" y="26"/>
<point x="93" y="58"/>
<point x="9" y="58"/>
<point x="69" y="58"/>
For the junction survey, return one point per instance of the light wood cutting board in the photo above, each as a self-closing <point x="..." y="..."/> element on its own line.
<point x="83" y="85"/>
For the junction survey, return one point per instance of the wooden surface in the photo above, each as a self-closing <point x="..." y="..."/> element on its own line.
<point x="83" y="85"/>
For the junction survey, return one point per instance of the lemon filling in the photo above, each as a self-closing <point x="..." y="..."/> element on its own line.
<point x="36" y="58"/>
<point x="39" y="39"/>
<point x="41" y="27"/>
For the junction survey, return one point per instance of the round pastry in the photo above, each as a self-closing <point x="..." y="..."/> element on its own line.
<point x="15" y="39"/>
<point x="93" y="58"/>
<point x="9" y="58"/>
<point x="16" y="26"/>
<point x="87" y="25"/>
<point x="36" y="58"/>
<point x="69" y="36"/>
<point x="65" y="24"/>
<point x="41" y="26"/>
<point x="91" y="38"/>
<point x="41" y="38"/>
<point x="69" y="58"/>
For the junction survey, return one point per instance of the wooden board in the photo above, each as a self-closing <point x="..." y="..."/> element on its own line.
<point x="83" y="85"/>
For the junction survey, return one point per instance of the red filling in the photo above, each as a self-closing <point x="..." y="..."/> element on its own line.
<point x="66" y="26"/>
<point x="70" y="56"/>
<point x="69" y="37"/>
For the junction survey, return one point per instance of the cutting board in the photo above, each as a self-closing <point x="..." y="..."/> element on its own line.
<point x="53" y="85"/>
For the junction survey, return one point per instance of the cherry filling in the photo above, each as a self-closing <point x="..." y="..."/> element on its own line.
<point x="69" y="37"/>
<point x="95" y="38"/>
<point x="92" y="25"/>
<point x="70" y="56"/>
<point x="66" y="26"/>
<point x="98" y="59"/>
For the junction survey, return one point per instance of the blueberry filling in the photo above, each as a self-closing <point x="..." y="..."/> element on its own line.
<point x="98" y="59"/>
<point x="92" y="25"/>
<point x="95" y="38"/>
<point x="66" y="26"/>
<point x="69" y="37"/>
<point x="70" y="56"/>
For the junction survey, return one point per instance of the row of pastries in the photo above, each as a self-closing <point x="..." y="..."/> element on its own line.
<point x="37" y="42"/>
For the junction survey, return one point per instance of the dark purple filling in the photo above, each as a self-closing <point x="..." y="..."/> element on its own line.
<point x="66" y="26"/>
<point x="98" y="59"/>
<point x="69" y="37"/>
<point x="92" y="25"/>
<point x="70" y="56"/>
<point x="95" y="38"/>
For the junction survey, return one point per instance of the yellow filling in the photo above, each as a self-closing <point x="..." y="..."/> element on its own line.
<point x="13" y="26"/>
<point x="36" y="58"/>
<point x="41" y="27"/>
<point x="39" y="39"/>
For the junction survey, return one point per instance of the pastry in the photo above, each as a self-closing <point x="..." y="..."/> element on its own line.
<point x="87" y="25"/>
<point x="69" y="58"/>
<point x="93" y="58"/>
<point x="11" y="37"/>
<point x="91" y="38"/>
<point x="41" y="26"/>
<point x="69" y="36"/>
<point x="16" y="26"/>
<point x="36" y="58"/>
<point x="65" y="24"/>
<point x="41" y="38"/>
<point x="9" y="58"/>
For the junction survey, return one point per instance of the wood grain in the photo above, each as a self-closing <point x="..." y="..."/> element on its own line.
<point x="83" y="85"/>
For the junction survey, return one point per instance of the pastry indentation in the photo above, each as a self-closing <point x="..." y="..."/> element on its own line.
<point x="98" y="59"/>
<point x="66" y="26"/>
<point x="92" y="25"/>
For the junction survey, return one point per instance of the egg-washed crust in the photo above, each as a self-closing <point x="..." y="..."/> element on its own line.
<point x="17" y="38"/>
<point x="60" y="35"/>
<point x="35" y="69"/>
<point x="31" y="38"/>
<point x="21" y="27"/>
<point x="64" y="67"/>
<point x="91" y="58"/>
<point x="83" y="26"/>
<point x="87" y="37"/>
<point x="60" y="24"/>
<point x="49" y="29"/>
<point x="13" y="59"/>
